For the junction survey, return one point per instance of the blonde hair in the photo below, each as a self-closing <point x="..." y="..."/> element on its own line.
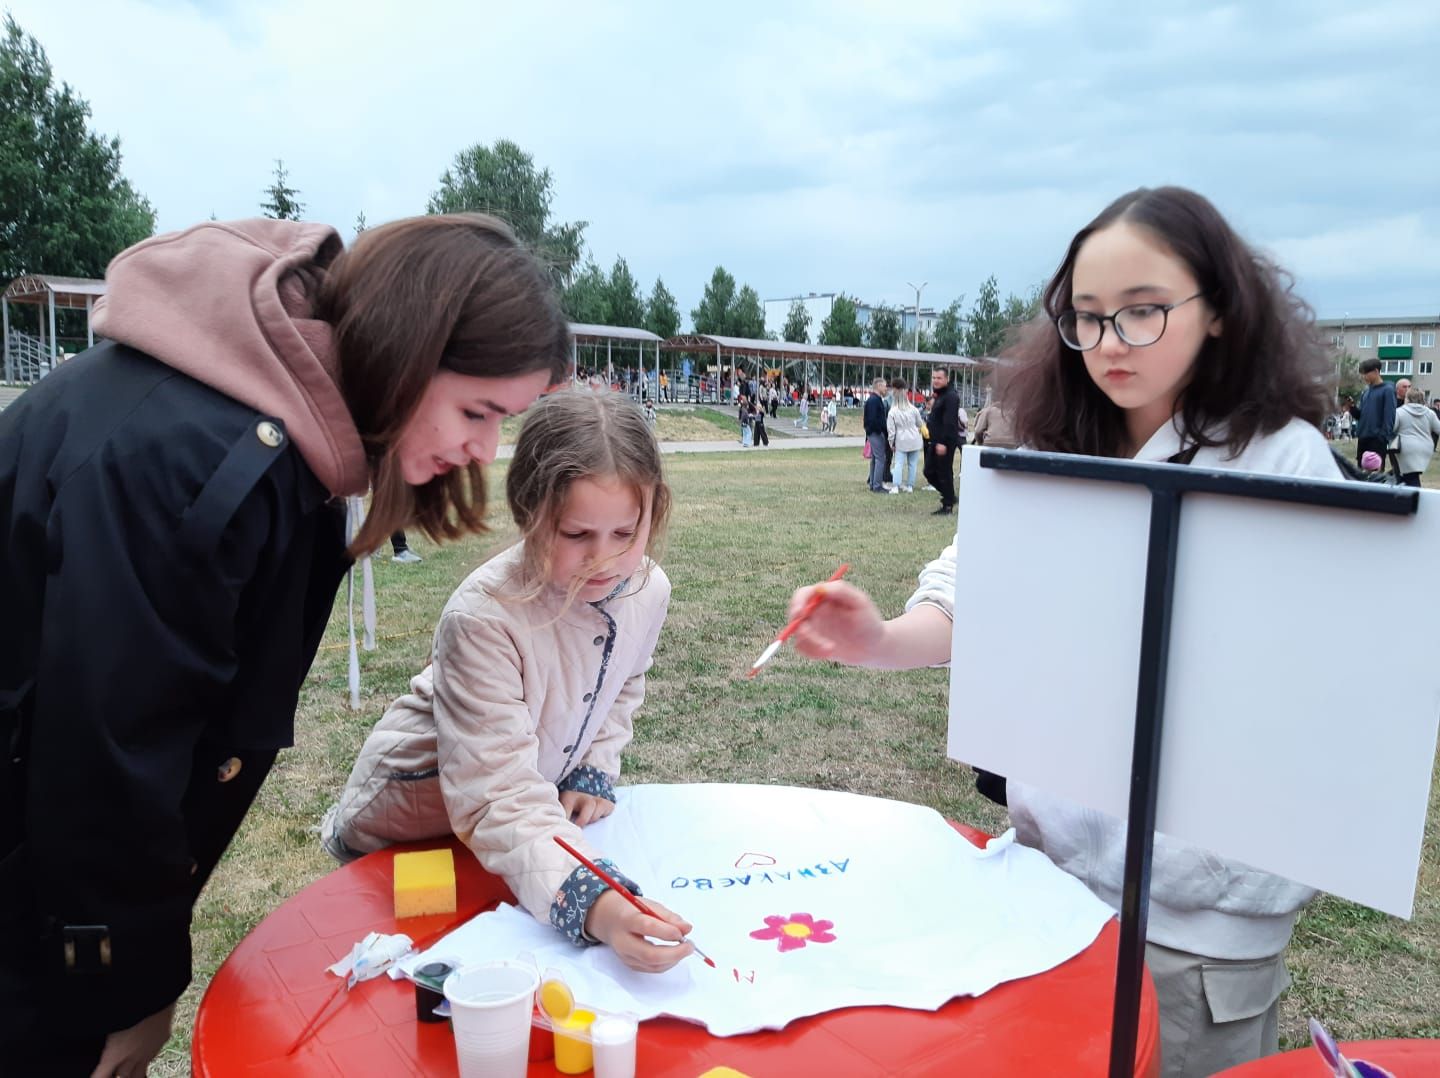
<point x="574" y="434"/>
<point x="1414" y="396"/>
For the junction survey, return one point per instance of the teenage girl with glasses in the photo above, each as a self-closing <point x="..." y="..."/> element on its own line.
<point x="1167" y="339"/>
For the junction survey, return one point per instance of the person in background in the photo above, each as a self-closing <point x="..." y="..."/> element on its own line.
<point x="757" y="422"/>
<point x="400" y="550"/>
<point x="1377" y="412"/>
<point x="944" y="428"/>
<point x="902" y="427"/>
<point x="993" y="429"/>
<point x="1417" y="429"/>
<point x="875" y="438"/>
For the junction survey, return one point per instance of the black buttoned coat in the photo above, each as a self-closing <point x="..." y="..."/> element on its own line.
<point x="168" y="564"/>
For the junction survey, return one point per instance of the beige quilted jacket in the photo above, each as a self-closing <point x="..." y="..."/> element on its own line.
<point x="518" y="696"/>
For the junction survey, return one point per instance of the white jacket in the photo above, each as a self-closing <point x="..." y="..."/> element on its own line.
<point x="903" y="427"/>
<point x="1414" y="426"/>
<point x="1199" y="902"/>
<point x="502" y="715"/>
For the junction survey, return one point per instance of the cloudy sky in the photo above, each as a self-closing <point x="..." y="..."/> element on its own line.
<point x="824" y="146"/>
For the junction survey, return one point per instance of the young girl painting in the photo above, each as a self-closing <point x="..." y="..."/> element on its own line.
<point x="1167" y="339"/>
<point x="512" y="735"/>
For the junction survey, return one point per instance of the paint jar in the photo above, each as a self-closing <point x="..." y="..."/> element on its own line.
<point x="612" y="1039"/>
<point x="572" y="1054"/>
<point x="428" y="991"/>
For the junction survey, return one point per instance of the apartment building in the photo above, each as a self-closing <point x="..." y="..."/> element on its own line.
<point x="1405" y="346"/>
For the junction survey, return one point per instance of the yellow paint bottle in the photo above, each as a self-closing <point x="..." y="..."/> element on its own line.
<point x="573" y="1055"/>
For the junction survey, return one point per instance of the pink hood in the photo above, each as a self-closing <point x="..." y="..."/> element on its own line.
<point x="229" y="304"/>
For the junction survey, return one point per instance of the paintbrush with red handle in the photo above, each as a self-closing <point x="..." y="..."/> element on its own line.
<point x="624" y="892"/>
<point x="786" y="633"/>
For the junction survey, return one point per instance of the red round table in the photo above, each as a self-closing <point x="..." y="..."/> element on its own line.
<point x="275" y="981"/>
<point x="1402" y="1058"/>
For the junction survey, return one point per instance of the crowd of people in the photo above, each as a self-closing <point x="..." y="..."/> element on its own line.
<point x="1392" y="425"/>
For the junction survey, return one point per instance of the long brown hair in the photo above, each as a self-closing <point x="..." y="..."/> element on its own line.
<point x="580" y="434"/>
<point x="453" y="291"/>
<point x="1265" y="368"/>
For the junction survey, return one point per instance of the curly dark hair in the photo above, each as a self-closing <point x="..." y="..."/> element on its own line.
<point x="1266" y="367"/>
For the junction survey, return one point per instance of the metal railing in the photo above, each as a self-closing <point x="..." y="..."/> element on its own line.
<point x="26" y="359"/>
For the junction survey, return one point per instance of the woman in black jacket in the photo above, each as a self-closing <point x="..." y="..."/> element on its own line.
<point x="171" y="536"/>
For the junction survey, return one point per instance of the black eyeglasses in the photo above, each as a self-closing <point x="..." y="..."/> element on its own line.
<point x="1137" y="325"/>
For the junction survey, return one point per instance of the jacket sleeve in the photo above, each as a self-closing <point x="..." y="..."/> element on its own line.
<point x="937" y="587"/>
<point x="1387" y="414"/>
<point x="137" y="648"/>
<point x="499" y="803"/>
<point x="890" y="427"/>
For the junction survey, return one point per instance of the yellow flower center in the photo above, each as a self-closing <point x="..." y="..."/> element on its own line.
<point x="793" y="929"/>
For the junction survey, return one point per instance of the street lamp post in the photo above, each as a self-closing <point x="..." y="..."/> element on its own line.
<point x="917" y="288"/>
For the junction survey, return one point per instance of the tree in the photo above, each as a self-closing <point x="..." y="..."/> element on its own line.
<point x="713" y="314"/>
<point x="840" y="326"/>
<point x="884" y="328"/>
<point x="360" y="223"/>
<point x="622" y="293"/>
<point x="662" y="314"/>
<point x="502" y="180"/>
<point x="1019" y="310"/>
<point x="985" y="335"/>
<point x="797" y="323"/>
<point x="747" y="316"/>
<point x="949" y="336"/>
<point x="282" y="200"/>
<point x="64" y="206"/>
<point x="587" y="298"/>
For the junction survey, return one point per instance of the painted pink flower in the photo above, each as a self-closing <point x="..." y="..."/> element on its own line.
<point x="795" y="931"/>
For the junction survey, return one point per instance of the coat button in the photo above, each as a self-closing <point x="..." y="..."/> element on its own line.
<point x="269" y="433"/>
<point x="568" y="748"/>
<point x="229" y="769"/>
<point x="598" y="641"/>
<point x="587" y="697"/>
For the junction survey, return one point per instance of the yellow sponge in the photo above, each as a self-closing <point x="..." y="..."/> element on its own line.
<point x="424" y="883"/>
<point x="723" y="1072"/>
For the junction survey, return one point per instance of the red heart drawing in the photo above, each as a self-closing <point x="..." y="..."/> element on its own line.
<point x="752" y="860"/>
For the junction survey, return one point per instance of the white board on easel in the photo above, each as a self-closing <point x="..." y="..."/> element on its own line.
<point x="1297" y="738"/>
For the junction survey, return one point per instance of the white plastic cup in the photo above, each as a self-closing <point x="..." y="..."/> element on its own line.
<point x="490" y="1007"/>
<point x="612" y="1038"/>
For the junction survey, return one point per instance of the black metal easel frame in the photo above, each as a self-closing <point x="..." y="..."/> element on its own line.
<point x="1168" y="483"/>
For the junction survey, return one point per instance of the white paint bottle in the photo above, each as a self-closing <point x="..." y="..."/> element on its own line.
<point x="612" y="1037"/>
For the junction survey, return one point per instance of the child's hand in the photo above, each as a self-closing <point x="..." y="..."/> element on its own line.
<point x="614" y="921"/>
<point x="845" y="627"/>
<point x="581" y="809"/>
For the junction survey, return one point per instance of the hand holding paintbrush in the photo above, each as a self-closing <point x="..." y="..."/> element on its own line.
<point x="628" y="939"/>
<point x="800" y="611"/>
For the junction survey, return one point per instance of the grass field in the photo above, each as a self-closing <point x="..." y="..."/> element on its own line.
<point x="711" y="422"/>
<point x="743" y="535"/>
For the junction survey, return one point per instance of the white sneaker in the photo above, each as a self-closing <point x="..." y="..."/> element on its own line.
<point x="909" y="490"/>
<point x="894" y="490"/>
<point x="408" y="557"/>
